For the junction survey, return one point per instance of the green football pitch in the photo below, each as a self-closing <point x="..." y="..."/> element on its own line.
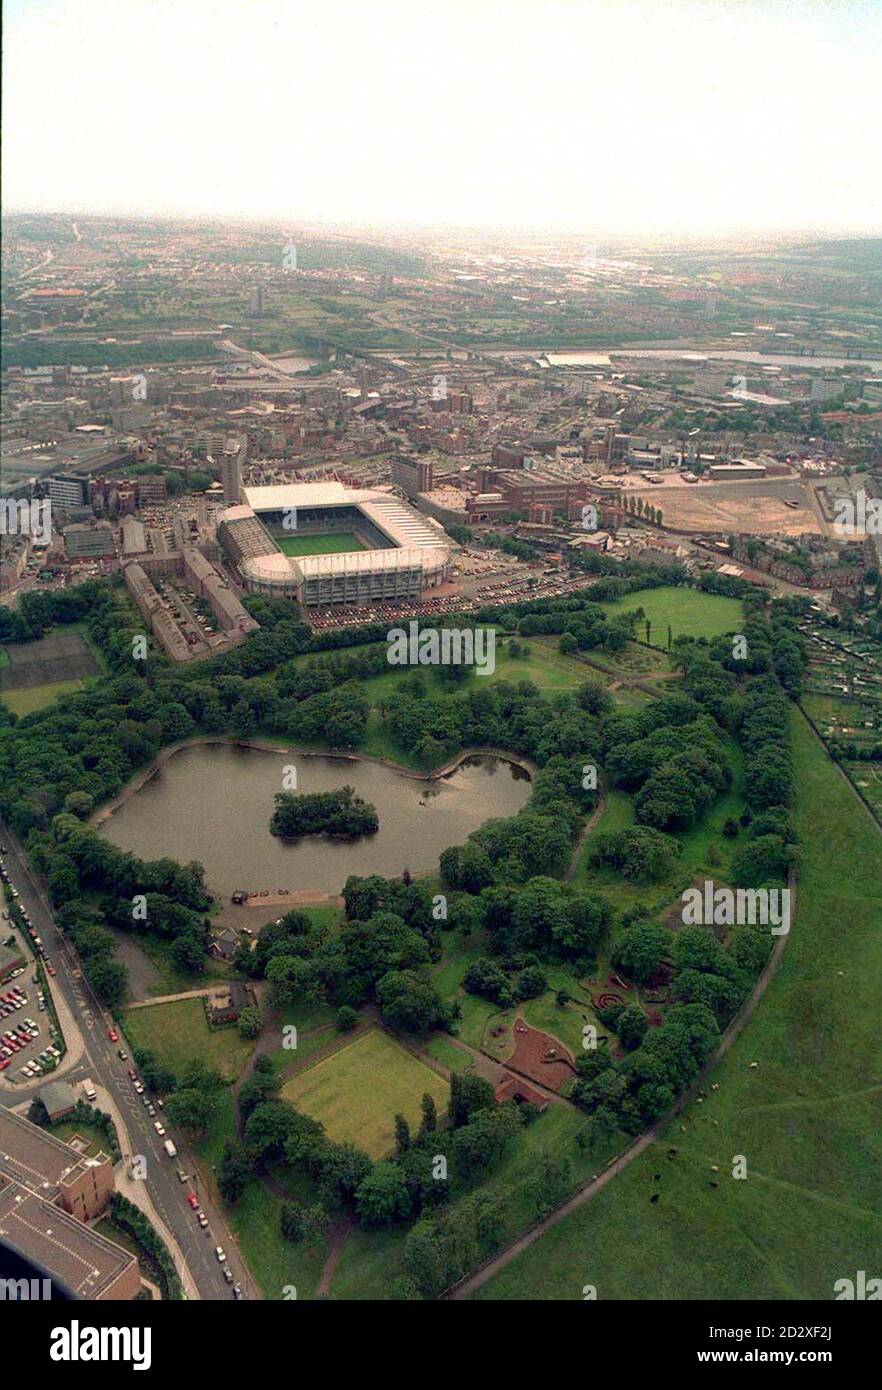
<point x="322" y="543"/>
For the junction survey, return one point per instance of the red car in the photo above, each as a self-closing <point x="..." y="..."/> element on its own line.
<point x="113" y="1035"/>
<point x="50" y="968"/>
<point x="193" y="1200"/>
<point x="5" y="1063"/>
<point x="133" y="1074"/>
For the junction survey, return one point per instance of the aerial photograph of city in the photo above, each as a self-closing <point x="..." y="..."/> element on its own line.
<point x="440" y="673"/>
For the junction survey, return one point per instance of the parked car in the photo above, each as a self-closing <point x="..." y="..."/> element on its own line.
<point x="113" y="1035"/>
<point x="193" y="1200"/>
<point x="219" y="1251"/>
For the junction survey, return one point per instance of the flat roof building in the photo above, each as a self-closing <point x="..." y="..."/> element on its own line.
<point x="75" y="1257"/>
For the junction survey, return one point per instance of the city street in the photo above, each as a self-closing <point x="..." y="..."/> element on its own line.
<point x="95" y="1056"/>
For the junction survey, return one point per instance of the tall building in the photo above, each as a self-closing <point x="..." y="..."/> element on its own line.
<point x="69" y="491"/>
<point x="412" y="475"/>
<point x="232" y="460"/>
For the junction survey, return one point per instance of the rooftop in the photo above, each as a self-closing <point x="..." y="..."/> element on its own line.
<point x="72" y="1254"/>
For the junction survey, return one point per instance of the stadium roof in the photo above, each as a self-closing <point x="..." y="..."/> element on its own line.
<point x="405" y="527"/>
<point x="280" y="497"/>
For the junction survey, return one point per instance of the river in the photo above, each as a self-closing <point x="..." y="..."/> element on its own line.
<point x="213" y="803"/>
<point x="601" y="357"/>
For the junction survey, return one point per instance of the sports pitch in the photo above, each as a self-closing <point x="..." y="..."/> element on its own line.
<point x="357" y="1092"/>
<point x="324" y="543"/>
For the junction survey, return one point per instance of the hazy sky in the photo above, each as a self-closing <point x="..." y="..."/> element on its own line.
<point x="585" y="115"/>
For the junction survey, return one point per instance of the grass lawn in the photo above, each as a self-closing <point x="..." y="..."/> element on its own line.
<point x="178" y="1033"/>
<point x="445" y="1051"/>
<point x="808" y="1118"/>
<point x="357" y="1092"/>
<point x="95" y="1137"/>
<point x="688" y="612"/>
<point x="36" y="697"/>
<point x="323" y="544"/>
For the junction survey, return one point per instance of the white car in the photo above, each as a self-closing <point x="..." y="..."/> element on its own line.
<point x="159" y="1128"/>
<point x="219" y="1251"/>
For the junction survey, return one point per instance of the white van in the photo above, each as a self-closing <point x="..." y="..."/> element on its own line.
<point x="170" y="1149"/>
<point x="89" y="1091"/>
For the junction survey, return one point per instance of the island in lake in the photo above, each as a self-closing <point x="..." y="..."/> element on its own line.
<point x="340" y="814"/>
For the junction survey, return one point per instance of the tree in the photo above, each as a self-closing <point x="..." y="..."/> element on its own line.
<point x="188" y="952"/>
<point x="550" y="1184"/>
<point x="38" y="1114"/>
<point x="602" y="1124"/>
<point x="233" y="1172"/>
<point x="79" y="804"/>
<point x="402" y="1134"/>
<point x="532" y="983"/>
<point x="383" y="1198"/>
<point x="300" y="1222"/>
<point x="250" y="1022"/>
<point x="468" y="1095"/>
<point x="632" y="1026"/>
<point x="193" y="1110"/>
<point x="347" y="1018"/>
<point x="482" y="1142"/>
<point x="342" y="1170"/>
<point x="639" y="950"/>
<point x="266" y="1130"/>
<point x="108" y="979"/>
<point x="429" y="1121"/>
<point x="410" y="1003"/>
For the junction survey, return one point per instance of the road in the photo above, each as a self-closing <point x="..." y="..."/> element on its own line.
<point x="97" y="1058"/>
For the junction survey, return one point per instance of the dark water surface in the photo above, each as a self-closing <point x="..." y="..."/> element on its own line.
<point x="213" y="803"/>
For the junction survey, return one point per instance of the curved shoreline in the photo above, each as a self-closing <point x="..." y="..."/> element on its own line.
<point x="202" y="740"/>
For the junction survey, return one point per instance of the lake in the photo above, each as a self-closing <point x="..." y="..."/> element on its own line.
<point x="213" y="803"/>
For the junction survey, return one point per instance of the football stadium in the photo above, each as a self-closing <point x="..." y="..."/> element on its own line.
<point x="323" y="544"/>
